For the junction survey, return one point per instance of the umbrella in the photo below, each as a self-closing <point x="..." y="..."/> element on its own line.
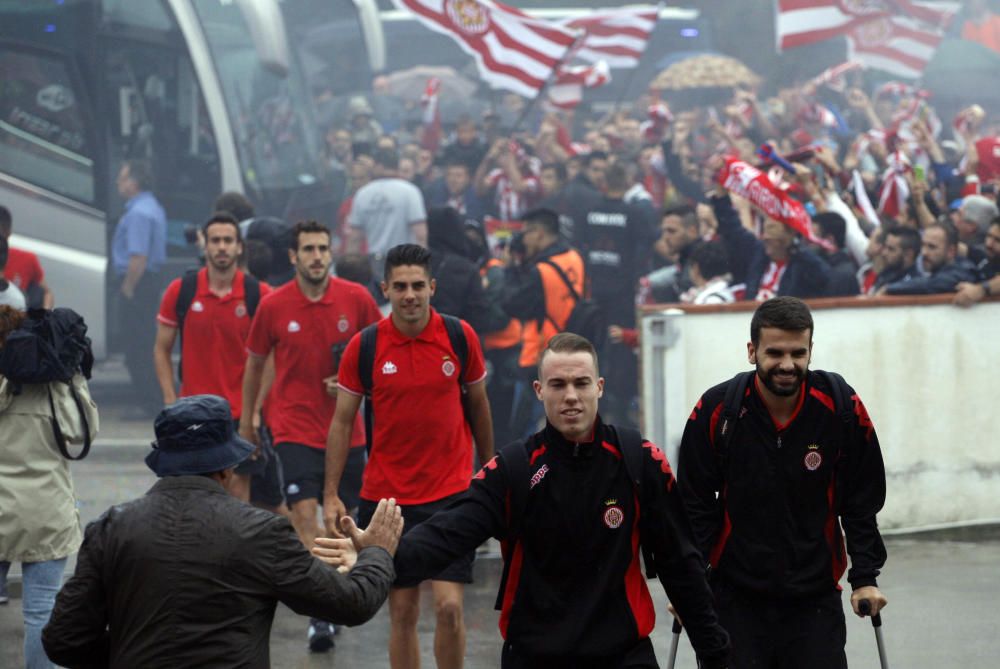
<point x="705" y="71"/>
<point x="409" y="84"/>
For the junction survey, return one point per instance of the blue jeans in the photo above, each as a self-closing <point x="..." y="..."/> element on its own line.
<point x="40" y="583"/>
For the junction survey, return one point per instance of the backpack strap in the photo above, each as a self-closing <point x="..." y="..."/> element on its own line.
<point x="515" y="459"/>
<point x="569" y="284"/>
<point x="57" y="431"/>
<point x="366" y="364"/>
<point x="630" y="443"/>
<point x="731" y="406"/>
<point x="459" y="344"/>
<point x="843" y="405"/>
<point x="251" y="294"/>
<point x="189" y="286"/>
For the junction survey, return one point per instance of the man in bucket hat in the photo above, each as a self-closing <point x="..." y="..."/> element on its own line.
<point x="189" y="576"/>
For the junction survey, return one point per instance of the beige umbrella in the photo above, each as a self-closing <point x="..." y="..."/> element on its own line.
<point x="409" y="84"/>
<point x="705" y="71"/>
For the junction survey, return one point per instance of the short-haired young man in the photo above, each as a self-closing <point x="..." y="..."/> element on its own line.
<point x="421" y="442"/>
<point x="772" y="464"/>
<point x="574" y="594"/>
<point x="944" y="269"/>
<point x="307" y="323"/>
<point x="216" y="322"/>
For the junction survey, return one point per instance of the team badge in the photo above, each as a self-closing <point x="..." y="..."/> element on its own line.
<point x="813" y="458"/>
<point x="613" y="514"/>
<point x="468" y="16"/>
<point x="343" y="324"/>
<point x="241" y="310"/>
<point x="293" y="326"/>
<point x="448" y="367"/>
<point x="197" y="306"/>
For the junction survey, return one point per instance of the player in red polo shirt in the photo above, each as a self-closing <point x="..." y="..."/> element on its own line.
<point x="215" y="328"/>
<point x="307" y="323"/>
<point x="421" y="450"/>
<point x="23" y="268"/>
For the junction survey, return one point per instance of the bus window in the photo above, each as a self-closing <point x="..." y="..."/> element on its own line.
<point x="43" y="138"/>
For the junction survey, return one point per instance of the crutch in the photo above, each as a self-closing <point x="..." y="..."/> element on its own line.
<point x="865" y="608"/>
<point x="674" y="641"/>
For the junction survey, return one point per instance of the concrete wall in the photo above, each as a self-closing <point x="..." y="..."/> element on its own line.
<point x="927" y="372"/>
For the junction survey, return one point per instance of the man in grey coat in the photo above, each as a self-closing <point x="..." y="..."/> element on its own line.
<point x="189" y="576"/>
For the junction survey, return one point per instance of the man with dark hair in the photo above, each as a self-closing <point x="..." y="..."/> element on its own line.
<point x="236" y="204"/>
<point x="843" y="282"/>
<point x="944" y="270"/>
<point x="583" y="192"/>
<point x="138" y="252"/>
<point x="899" y="257"/>
<point x="307" y="324"/>
<point x="188" y="576"/>
<point x="709" y="275"/>
<point x="536" y="294"/>
<point x="422" y="437"/>
<point x="772" y="464"/>
<point x="989" y="270"/>
<point x="565" y="501"/>
<point x="211" y="311"/>
<point x="510" y="175"/>
<point x="465" y="147"/>
<point x="386" y="211"/>
<point x="679" y="235"/>
<point x="23" y="269"/>
<point x="10" y="294"/>
<point x="455" y="190"/>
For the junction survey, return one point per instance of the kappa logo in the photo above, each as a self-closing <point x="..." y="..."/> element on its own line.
<point x="613" y="514"/>
<point x="389" y="368"/>
<point x="293" y="326"/>
<point x="538" y="476"/>
<point x="197" y="306"/>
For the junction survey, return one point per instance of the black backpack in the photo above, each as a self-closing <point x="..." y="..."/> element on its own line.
<point x="586" y="319"/>
<point x="515" y="458"/>
<point x="843" y="407"/>
<point x="50" y="346"/>
<point x="366" y="364"/>
<point x="189" y="286"/>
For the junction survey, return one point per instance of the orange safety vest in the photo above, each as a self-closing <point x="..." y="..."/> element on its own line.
<point x="510" y="335"/>
<point x="559" y="304"/>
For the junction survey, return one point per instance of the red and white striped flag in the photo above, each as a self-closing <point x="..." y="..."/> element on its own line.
<point x="512" y="50"/>
<point x="901" y="46"/>
<point x="615" y="36"/>
<point x="566" y="91"/>
<point x="835" y="77"/>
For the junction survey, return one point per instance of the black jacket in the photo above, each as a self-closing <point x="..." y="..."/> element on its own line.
<point x="806" y="275"/>
<point x="888" y="276"/>
<point x="189" y="576"/>
<point x="575" y="590"/>
<point x="581" y="196"/>
<point x="843" y="280"/>
<point x="774" y="528"/>
<point x="945" y="280"/>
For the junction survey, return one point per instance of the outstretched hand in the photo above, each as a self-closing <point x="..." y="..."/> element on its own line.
<point x="339" y="553"/>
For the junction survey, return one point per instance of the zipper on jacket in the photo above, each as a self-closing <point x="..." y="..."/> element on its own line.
<point x="779" y="441"/>
<point x="576" y="449"/>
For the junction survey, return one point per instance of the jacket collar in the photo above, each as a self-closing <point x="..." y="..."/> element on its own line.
<point x="202" y="483"/>
<point x="573" y="449"/>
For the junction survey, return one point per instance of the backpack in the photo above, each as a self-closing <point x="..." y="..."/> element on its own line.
<point x="515" y="458"/>
<point x="366" y="365"/>
<point x="189" y="286"/>
<point x="843" y="408"/>
<point x="49" y="347"/>
<point x="586" y="319"/>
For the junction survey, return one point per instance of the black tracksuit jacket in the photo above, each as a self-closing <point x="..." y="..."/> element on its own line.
<point x="575" y="588"/>
<point x="774" y="529"/>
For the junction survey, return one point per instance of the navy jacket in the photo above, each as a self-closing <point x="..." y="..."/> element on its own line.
<point x="945" y="280"/>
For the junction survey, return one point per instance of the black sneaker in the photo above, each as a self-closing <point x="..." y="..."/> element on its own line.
<point x="320" y="635"/>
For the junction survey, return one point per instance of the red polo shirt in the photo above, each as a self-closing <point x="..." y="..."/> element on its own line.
<point x="214" y="338"/>
<point x="23" y="268"/>
<point x="303" y="334"/>
<point x="422" y="446"/>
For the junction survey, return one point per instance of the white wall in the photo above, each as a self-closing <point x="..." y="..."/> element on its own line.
<point x="928" y="374"/>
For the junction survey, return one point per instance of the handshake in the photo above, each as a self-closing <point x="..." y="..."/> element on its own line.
<point x="384" y="530"/>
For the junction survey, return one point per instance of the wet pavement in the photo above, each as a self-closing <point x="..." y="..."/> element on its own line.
<point x="942" y="589"/>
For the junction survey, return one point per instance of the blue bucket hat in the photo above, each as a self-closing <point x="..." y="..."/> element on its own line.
<point x="195" y="435"/>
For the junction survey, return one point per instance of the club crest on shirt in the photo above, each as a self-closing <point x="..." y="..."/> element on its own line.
<point x="197" y="306"/>
<point x="241" y="310"/>
<point x="343" y="324"/>
<point x="813" y="458"/>
<point x="293" y="326"/>
<point x="448" y="367"/>
<point x="613" y="514"/>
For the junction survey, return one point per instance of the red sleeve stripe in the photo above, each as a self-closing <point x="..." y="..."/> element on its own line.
<point x="537" y="453"/>
<point x="720" y="544"/>
<point x="611" y="449"/>
<point x="834" y="539"/>
<point x="513" y="579"/>
<point x="713" y="423"/>
<point x="824" y="399"/>
<point x="636" y="590"/>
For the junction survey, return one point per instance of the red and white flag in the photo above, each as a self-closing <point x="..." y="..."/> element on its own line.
<point x="615" y="36"/>
<point x="512" y="50"/>
<point x="895" y="190"/>
<point x="430" y="138"/>
<point x="900" y="46"/>
<point x="835" y="77"/>
<point x="566" y="91"/>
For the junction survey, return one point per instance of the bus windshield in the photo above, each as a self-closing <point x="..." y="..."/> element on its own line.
<point x="270" y="112"/>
